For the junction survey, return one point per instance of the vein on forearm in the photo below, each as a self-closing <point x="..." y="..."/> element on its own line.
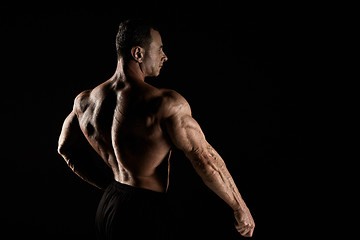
<point x="215" y="175"/>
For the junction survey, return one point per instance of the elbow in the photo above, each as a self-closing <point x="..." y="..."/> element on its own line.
<point x="65" y="154"/>
<point x="207" y="165"/>
<point x="61" y="150"/>
<point x="204" y="167"/>
<point x="209" y="172"/>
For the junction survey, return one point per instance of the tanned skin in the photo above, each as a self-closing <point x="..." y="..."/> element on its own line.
<point x="132" y="126"/>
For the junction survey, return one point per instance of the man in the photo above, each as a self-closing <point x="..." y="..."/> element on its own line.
<point x="133" y="126"/>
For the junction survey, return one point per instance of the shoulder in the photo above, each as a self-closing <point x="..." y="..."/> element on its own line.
<point x="81" y="101"/>
<point x="172" y="95"/>
<point x="84" y="98"/>
<point x="82" y="95"/>
<point x="174" y="103"/>
<point x="97" y="92"/>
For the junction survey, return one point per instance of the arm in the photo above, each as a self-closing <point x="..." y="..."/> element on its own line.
<point x="186" y="134"/>
<point x="79" y="155"/>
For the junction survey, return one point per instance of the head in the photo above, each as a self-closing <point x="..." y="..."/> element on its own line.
<point x="139" y="41"/>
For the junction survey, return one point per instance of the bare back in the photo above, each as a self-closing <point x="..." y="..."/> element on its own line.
<point x="133" y="126"/>
<point x="122" y="122"/>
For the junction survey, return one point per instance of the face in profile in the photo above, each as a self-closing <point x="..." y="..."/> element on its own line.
<point x="154" y="56"/>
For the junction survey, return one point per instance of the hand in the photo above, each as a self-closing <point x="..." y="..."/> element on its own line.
<point x="244" y="222"/>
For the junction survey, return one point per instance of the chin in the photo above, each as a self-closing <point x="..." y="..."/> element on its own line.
<point x="156" y="74"/>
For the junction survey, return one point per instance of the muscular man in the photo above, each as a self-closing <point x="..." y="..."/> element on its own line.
<point x="133" y="126"/>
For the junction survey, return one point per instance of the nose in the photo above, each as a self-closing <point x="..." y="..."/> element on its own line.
<point x="165" y="58"/>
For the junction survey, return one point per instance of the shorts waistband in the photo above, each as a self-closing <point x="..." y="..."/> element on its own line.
<point x="132" y="189"/>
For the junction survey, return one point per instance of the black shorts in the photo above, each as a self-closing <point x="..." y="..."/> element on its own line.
<point x="126" y="212"/>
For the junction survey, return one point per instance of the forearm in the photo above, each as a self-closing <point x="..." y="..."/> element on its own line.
<point x="212" y="169"/>
<point x="97" y="176"/>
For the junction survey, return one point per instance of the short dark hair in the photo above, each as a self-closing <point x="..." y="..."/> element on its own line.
<point x="133" y="32"/>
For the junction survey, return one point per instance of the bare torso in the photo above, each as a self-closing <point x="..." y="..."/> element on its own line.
<point x="122" y="122"/>
<point x="133" y="126"/>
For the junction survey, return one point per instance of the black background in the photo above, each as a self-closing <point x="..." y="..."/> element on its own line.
<point x="240" y="67"/>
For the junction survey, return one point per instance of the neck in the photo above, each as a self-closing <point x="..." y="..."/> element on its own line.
<point x="128" y="71"/>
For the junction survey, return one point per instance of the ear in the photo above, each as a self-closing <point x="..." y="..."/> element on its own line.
<point x="137" y="53"/>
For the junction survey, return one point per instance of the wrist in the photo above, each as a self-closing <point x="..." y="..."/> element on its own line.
<point x="240" y="208"/>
